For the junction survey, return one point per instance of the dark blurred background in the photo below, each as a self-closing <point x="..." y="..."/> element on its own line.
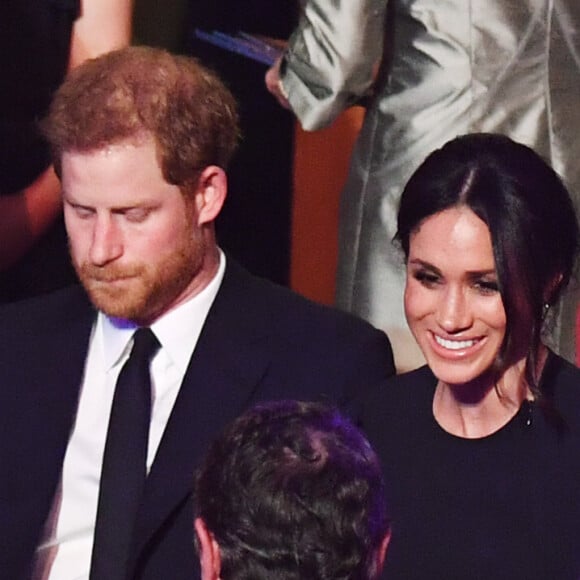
<point x="255" y="225"/>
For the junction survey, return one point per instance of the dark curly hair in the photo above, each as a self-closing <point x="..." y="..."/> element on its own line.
<point x="293" y="490"/>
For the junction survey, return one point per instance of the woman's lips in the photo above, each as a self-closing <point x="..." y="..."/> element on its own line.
<point x="454" y="348"/>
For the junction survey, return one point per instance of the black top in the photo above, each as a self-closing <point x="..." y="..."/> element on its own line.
<point x="34" y="51"/>
<point x="502" y="506"/>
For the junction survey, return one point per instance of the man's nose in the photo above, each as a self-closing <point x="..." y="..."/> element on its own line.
<point x="106" y="243"/>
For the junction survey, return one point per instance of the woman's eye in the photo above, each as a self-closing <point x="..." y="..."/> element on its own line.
<point x="487" y="286"/>
<point x="427" y="279"/>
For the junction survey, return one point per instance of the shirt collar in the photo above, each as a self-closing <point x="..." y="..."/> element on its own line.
<point x="178" y="331"/>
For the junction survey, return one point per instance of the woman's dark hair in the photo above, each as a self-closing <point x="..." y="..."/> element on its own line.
<point x="530" y="216"/>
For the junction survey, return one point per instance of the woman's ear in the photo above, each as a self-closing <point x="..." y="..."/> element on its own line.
<point x="210" y="194"/>
<point x="209" y="551"/>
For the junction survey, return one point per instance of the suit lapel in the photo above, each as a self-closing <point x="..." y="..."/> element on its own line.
<point x="227" y="365"/>
<point x="53" y="380"/>
<point x="48" y="357"/>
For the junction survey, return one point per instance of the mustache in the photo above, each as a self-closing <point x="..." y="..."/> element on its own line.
<point x="108" y="273"/>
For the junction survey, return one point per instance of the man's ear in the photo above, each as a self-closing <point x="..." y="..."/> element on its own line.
<point x="209" y="552"/>
<point x="210" y="194"/>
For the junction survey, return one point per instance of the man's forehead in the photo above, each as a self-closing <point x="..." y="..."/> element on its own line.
<point x="142" y="140"/>
<point x="122" y="173"/>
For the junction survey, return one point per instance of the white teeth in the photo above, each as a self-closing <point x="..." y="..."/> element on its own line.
<point x="454" y="344"/>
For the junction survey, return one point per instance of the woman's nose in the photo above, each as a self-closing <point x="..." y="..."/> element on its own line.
<point x="453" y="311"/>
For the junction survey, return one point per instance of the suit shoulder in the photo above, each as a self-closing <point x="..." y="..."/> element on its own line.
<point x="318" y="335"/>
<point x="288" y="304"/>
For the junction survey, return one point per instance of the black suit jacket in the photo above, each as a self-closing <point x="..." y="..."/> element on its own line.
<point x="259" y="342"/>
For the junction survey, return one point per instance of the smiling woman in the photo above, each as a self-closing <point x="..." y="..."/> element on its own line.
<point x="452" y="301"/>
<point x="489" y="431"/>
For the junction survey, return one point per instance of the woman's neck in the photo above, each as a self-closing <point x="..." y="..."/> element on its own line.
<point x="483" y="406"/>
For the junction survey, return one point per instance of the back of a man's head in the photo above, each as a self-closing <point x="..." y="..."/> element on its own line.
<point x="138" y="92"/>
<point x="293" y="490"/>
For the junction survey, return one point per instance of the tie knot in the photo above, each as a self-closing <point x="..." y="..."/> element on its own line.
<point x="145" y="344"/>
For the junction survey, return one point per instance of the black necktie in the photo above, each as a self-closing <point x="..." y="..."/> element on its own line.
<point x="124" y="462"/>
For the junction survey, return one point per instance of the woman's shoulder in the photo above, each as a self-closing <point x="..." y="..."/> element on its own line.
<point x="400" y="396"/>
<point x="410" y="384"/>
<point x="397" y="417"/>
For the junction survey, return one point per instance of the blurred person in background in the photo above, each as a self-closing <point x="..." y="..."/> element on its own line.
<point x="39" y="43"/>
<point x="446" y="68"/>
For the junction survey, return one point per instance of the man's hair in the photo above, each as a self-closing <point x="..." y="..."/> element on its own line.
<point x="293" y="490"/>
<point x="140" y="92"/>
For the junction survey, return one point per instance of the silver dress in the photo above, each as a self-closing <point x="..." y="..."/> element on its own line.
<point x="448" y="67"/>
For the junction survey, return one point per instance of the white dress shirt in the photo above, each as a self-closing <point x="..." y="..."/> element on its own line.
<point x="66" y="553"/>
